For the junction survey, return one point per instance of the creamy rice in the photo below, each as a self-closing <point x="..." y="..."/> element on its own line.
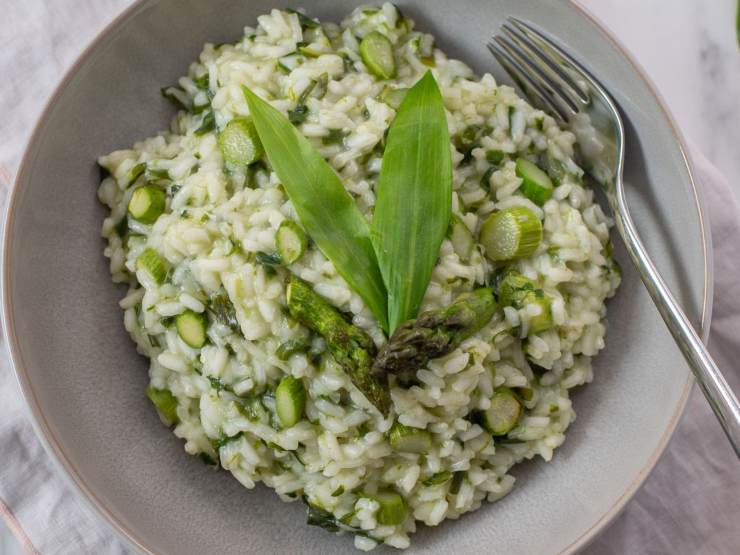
<point x="216" y="221"/>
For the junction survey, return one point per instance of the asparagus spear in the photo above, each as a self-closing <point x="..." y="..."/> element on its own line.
<point x="435" y="333"/>
<point x="350" y="346"/>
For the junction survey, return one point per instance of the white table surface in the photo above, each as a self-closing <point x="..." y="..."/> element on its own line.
<point x="688" y="47"/>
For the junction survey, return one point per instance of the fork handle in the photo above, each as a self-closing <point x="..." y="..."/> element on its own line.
<point x="723" y="401"/>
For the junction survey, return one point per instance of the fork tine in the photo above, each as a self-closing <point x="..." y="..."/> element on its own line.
<point x="564" y="61"/>
<point x="547" y="64"/>
<point x="525" y="82"/>
<point x="567" y="104"/>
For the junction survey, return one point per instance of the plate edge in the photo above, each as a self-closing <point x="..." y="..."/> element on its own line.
<point x="707" y="295"/>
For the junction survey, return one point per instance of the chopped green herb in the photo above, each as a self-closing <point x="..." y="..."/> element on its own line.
<point x="335" y="136"/>
<point x="202" y="81"/>
<point x="307" y="91"/>
<point x="485" y="181"/>
<point x="252" y="409"/>
<point x="438" y="479"/>
<point x="457" y="480"/>
<point x="305" y="21"/>
<point x="337" y="492"/>
<point x="495" y="157"/>
<point x="225" y="440"/>
<point x="291" y="347"/>
<point x="207" y="125"/>
<point x="298" y="115"/>
<point x="207" y="459"/>
<point x="223" y="311"/>
<point x="121" y="227"/>
<point x="177" y="96"/>
<point x="218" y="384"/>
<point x="269" y="259"/>
<point x="134" y="173"/>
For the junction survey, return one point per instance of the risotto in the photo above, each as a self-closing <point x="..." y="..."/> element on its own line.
<point x="208" y="248"/>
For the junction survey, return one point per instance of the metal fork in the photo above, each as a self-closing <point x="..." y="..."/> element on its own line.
<point x="554" y="81"/>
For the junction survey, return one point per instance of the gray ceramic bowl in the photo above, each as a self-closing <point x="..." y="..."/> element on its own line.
<point x="85" y="383"/>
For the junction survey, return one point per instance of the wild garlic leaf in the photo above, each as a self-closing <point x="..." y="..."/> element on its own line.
<point x="328" y="213"/>
<point x="413" y="199"/>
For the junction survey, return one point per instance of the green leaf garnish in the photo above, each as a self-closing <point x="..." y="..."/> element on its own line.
<point x="414" y="199"/>
<point x="327" y="211"/>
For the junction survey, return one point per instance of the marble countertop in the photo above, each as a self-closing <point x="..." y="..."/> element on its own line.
<point x="688" y="47"/>
<point x="690" y="50"/>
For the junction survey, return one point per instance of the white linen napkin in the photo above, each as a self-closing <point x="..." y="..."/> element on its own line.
<point x="690" y="503"/>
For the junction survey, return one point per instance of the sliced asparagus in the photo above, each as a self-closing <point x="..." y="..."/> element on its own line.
<point x="166" y="404"/>
<point x="350" y="346"/>
<point x="291" y="241"/>
<point x="519" y="291"/>
<point x="191" y="327"/>
<point x="392" y="510"/>
<point x="240" y="145"/>
<point x="409" y="439"/>
<point x="290" y="401"/>
<point x="147" y="204"/>
<point x="376" y="52"/>
<point x="536" y="185"/>
<point x="151" y="264"/>
<point x="503" y="414"/>
<point x="511" y="233"/>
<point x="435" y="333"/>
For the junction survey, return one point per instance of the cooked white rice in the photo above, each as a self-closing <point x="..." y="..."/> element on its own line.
<point x="217" y="220"/>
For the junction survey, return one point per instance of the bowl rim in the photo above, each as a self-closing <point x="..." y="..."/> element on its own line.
<point x="53" y="445"/>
